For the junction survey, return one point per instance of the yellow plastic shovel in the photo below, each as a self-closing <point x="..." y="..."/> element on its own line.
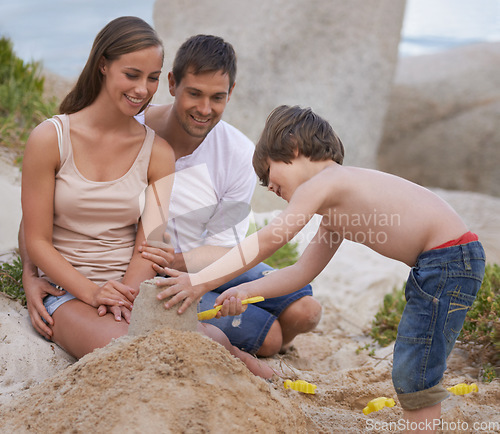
<point x="209" y="314"/>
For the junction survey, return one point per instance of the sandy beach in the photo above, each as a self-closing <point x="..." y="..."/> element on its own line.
<point x="173" y="381"/>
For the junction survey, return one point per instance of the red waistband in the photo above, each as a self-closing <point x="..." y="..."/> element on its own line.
<point x="464" y="239"/>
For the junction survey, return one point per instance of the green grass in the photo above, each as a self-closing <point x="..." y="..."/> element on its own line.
<point x="481" y="331"/>
<point x="11" y="282"/>
<point x="385" y="325"/>
<point x="285" y="256"/>
<point x="22" y="104"/>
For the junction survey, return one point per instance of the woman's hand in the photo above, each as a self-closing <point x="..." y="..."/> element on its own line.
<point x="36" y="289"/>
<point x="114" y="293"/>
<point x="118" y="312"/>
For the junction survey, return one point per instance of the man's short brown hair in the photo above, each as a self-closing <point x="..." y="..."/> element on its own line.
<point x="292" y="131"/>
<point x="202" y="53"/>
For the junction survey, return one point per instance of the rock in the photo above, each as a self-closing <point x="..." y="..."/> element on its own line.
<point x="442" y="123"/>
<point x="334" y="56"/>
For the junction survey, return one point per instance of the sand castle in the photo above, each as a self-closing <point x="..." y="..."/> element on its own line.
<point x="149" y="313"/>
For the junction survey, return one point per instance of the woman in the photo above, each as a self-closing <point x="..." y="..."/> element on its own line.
<point x="83" y="176"/>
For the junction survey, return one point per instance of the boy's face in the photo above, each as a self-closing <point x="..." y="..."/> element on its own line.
<point x="200" y="100"/>
<point x="285" y="178"/>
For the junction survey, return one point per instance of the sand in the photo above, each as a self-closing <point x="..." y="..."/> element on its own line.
<point x="180" y="381"/>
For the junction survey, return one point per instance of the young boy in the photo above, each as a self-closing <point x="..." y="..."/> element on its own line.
<point x="299" y="157"/>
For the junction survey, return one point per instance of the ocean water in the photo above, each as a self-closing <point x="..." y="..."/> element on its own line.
<point x="60" y="32"/>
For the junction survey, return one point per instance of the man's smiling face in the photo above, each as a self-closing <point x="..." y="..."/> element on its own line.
<point x="200" y="100"/>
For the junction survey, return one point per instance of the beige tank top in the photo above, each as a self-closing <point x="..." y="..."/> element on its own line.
<point x="95" y="222"/>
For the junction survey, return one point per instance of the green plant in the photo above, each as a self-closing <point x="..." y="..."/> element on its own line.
<point x="385" y="325"/>
<point x="285" y="256"/>
<point x="11" y="282"/>
<point x="481" y="330"/>
<point x="488" y="373"/>
<point x="22" y="105"/>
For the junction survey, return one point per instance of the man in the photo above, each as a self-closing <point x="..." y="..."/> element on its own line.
<point x="214" y="178"/>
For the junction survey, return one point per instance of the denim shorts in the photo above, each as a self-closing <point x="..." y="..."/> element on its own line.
<point x="440" y="290"/>
<point x="52" y="302"/>
<point x="248" y="330"/>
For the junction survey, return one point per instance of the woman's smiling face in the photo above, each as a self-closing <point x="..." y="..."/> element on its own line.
<point x="133" y="78"/>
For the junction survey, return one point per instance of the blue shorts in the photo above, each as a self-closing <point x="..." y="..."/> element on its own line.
<point x="439" y="292"/>
<point x="248" y="330"/>
<point x="52" y="302"/>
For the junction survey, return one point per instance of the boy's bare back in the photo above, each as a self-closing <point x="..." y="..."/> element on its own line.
<point x="393" y="216"/>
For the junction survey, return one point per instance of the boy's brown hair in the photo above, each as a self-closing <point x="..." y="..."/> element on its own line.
<point x="292" y="131"/>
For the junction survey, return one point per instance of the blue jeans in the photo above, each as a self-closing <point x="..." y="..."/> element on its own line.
<point x="52" y="302"/>
<point x="439" y="292"/>
<point x="248" y="330"/>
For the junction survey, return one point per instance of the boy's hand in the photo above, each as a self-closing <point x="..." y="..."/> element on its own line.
<point x="231" y="301"/>
<point x="179" y="288"/>
<point x="231" y="307"/>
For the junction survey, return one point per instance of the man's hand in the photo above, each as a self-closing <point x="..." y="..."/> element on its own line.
<point x="36" y="289"/>
<point x="179" y="288"/>
<point x="161" y="254"/>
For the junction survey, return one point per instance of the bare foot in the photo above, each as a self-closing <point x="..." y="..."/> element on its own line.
<point x="256" y="366"/>
<point x="253" y="364"/>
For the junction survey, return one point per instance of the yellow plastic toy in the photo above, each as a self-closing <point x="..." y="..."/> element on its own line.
<point x="463" y="389"/>
<point x="209" y="314"/>
<point x="301" y="386"/>
<point x="378" y="404"/>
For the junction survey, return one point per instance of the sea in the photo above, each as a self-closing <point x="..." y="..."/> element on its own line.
<point x="59" y="33"/>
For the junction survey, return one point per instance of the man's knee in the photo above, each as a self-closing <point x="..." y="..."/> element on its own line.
<point x="302" y="315"/>
<point x="273" y="341"/>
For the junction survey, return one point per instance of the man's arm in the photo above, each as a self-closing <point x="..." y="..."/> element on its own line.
<point x="162" y="255"/>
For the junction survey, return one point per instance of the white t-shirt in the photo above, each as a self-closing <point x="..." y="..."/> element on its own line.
<point x="213" y="186"/>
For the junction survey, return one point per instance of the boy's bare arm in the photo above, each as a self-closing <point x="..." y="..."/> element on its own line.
<point x="289" y="279"/>
<point x="251" y="251"/>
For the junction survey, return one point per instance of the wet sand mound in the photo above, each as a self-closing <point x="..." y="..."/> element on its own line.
<point x="167" y="381"/>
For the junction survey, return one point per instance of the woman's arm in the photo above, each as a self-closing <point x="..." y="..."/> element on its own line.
<point x="40" y="164"/>
<point x="160" y="176"/>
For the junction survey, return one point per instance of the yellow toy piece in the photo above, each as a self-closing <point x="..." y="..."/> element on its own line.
<point x="378" y="404"/>
<point x="301" y="386"/>
<point x="209" y="314"/>
<point x="463" y="389"/>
